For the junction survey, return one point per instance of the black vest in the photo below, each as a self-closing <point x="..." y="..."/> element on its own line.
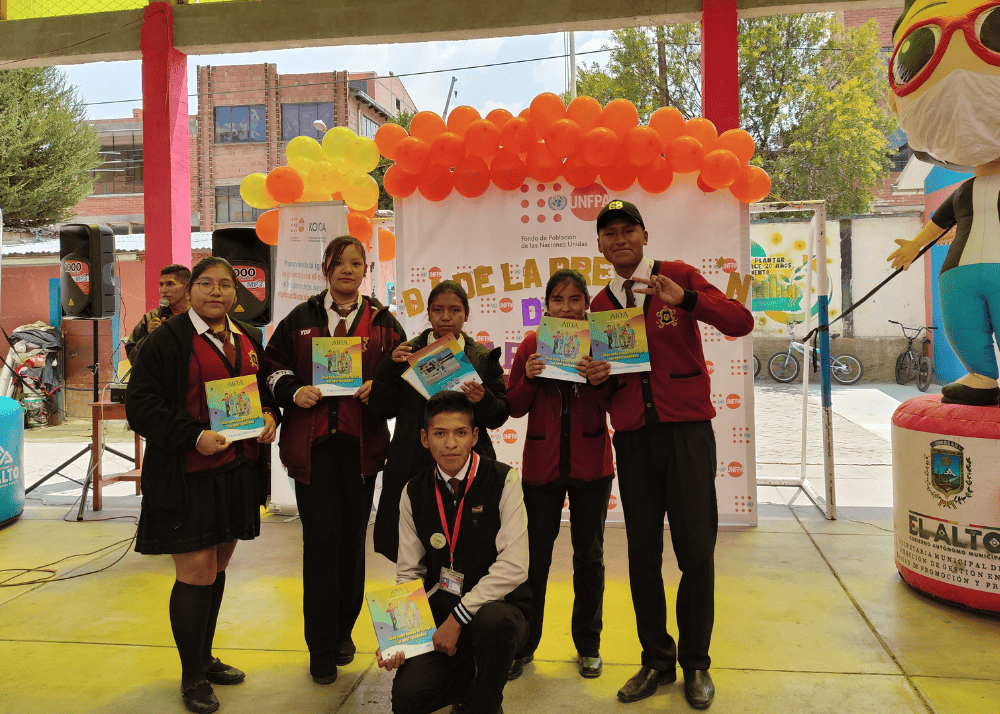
<point x="476" y="550"/>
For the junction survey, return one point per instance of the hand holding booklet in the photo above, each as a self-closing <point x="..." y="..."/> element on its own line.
<point x="440" y="366"/>
<point x="561" y="343"/>
<point x="234" y="409"/>
<point x="402" y="619"/>
<point x="336" y="365"/>
<point x="618" y="337"/>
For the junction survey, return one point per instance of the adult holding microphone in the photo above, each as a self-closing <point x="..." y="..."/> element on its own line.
<point x="173" y="299"/>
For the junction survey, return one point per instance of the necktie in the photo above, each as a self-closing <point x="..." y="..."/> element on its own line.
<point x="228" y="349"/>
<point x="629" y="295"/>
<point x="341" y="329"/>
<point x="457" y="487"/>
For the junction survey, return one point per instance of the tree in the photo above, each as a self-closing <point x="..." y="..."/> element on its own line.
<point x="46" y="150"/>
<point x="384" y="199"/>
<point x="812" y="95"/>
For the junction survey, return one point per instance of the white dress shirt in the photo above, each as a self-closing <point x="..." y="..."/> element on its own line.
<point x="617" y="285"/>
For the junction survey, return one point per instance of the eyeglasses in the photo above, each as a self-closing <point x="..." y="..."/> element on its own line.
<point x="225" y="287"/>
<point x="920" y="50"/>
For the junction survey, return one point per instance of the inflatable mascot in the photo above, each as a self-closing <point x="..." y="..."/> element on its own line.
<point x="944" y="77"/>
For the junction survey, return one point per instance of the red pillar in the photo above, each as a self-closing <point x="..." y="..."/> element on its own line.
<point x="720" y="80"/>
<point x="166" y="158"/>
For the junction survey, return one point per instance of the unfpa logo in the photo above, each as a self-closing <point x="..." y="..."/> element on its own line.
<point x="506" y="304"/>
<point x="558" y="203"/>
<point x="509" y="436"/>
<point x="434" y="273"/>
<point x="735" y="469"/>
<point x="733" y="401"/>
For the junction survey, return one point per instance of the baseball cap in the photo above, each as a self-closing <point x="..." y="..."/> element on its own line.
<point x="619" y="209"/>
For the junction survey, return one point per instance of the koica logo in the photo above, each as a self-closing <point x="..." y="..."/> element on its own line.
<point x="506" y="304"/>
<point x="509" y="436"/>
<point x="300" y="226"/>
<point x="587" y="202"/>
<point x="735" y="469"/>
<point x="434" y="273"/>
<point x="733" y="401"/>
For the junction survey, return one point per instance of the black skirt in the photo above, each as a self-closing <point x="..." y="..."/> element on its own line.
<point x="221" y="507"/>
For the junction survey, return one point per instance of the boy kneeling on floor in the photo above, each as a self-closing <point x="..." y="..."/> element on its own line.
<point x="463" y="531"/>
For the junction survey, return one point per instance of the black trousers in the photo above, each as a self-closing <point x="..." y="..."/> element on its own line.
<point x="669" y="469"/>
<point x="588" y="507"/>
<point x="334" y="509"/>
<point x="475" y="675"/>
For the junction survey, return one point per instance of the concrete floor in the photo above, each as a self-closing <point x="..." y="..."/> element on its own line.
<point x="811" y="615"/>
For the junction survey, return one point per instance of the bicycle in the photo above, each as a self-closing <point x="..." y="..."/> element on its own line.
<point x="784" y="366"/>
<point x="909" y="363"/>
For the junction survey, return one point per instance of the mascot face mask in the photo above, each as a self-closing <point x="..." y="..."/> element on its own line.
<point x="945" y="79"/>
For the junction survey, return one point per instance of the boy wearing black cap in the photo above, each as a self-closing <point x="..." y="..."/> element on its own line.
<point x="665" y="449"/>
<point x="463" y="531"/>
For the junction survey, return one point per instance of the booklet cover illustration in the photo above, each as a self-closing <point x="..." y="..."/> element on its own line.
<point x="561" y="343"/>
<point x="619" y="338"/>
<point x="440" y="366"/>
<point x="234" y="407"/>
<point x="336" y="365"/>
<point x="402" y="619"/>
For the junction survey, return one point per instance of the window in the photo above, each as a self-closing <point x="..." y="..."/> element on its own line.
<point x="368" y="128"/>
<point x="230" y="208"/>
<point x="297" y="119"/>
<point x="121" y="168"/>
<point x="238" y="124"/>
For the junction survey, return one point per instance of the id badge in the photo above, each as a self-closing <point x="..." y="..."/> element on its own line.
<point x="451" y="581"/>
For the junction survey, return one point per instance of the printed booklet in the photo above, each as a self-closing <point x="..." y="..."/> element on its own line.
<point x="336" y="365"/>
<point x="402" y="619"/>
<point x="234" y="407"/>
<point x="561" y="343"/>
<point x="440" y="366"/>
<point x="619" y="338"/>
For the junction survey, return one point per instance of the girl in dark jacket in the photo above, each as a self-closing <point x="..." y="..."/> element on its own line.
<point x="200" y="492"/>
<point x="333" y="447"/>
<point x="567" y="452"/>
<point x="392" y="396"/>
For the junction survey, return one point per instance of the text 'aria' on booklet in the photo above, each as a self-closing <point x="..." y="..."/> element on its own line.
<point x="336" y="365"/>
<point x="234" y="407"/>
<point x="618" y="337"/>
<point x="439" y="367"/>
<point x="402" y="619"/>
<point x="561" y="343"/>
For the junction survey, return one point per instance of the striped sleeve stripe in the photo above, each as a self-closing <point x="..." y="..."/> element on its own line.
<point x="461" y="614"/>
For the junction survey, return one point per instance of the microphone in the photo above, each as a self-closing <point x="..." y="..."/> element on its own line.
<point x="165" y="309"/>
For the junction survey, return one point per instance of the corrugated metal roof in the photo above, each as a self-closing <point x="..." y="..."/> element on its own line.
<point x="133" y="243"/>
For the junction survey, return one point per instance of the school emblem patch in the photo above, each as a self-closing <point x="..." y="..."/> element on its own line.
<point x="253" y="359"/>
<point x="665" y="317"/>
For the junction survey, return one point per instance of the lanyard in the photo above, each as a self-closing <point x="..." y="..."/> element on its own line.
<point x="452" y="537"/>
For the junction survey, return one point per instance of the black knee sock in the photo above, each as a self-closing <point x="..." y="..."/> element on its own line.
<point x="189" y="608"/>
<point x="218" y="588"/>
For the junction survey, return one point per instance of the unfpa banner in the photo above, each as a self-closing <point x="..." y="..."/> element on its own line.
<point x="502" y="247"/>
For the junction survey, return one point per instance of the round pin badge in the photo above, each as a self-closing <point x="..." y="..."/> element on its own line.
<point x="438" y="540"/>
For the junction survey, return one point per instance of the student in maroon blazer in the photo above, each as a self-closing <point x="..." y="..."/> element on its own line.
<point x="567" y="452"/>
<point x="665" y="448"/>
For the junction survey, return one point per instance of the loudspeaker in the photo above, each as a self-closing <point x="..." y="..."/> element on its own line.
<point x="87" y="270"/>
<point x="253" y="261"/>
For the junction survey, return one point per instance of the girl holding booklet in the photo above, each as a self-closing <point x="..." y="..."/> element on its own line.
<point x="567" y="452"/>
<point x="200" y="492"/>
<point x="393" y="396"/>
<point x="333" y="447"/>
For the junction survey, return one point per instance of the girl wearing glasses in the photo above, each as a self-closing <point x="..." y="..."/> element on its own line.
<point x="333" y="447"/>
<point x="200" y="492"/>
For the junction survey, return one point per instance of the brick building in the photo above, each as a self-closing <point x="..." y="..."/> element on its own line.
<point x="246" y="114"/>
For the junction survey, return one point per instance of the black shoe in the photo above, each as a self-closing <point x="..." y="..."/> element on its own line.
<point x="199" y="698"/>
<point x="323" y="667"/>
<point x="956" y="393"/>
<point x="699" y="688"/>
<point x="517" y="667"/>
<point x="644" y="683"/>
<point x="344" y="653"/>
<point x="590" y="667"/>
<point x="217" y="672"/>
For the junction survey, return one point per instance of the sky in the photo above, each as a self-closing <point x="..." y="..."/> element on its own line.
<point x="511" y="87"/>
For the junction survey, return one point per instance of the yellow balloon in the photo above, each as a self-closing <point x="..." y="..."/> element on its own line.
<point x="336" y="140"/>
<point x="305" y="147"/>
<point x="311" y="195"/>
<point x="302" y="164"/>
<point x="323" y="178"/>
<point x="360" y="191"/>
<point x="254" y="192"/>
<point x="362" y="154"/>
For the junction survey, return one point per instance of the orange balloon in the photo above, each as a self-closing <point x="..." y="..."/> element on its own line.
<point x="619" y="176"/>
<point x="285" y="184"/>
<point x="435" y="183"/>
<point x="740" y="143"/>
<point x="585" y="111"/>
<point x="525" y="113"/>
<point x="656" y="176"/>
<point x="360" y="227"/>
<point x="460" y="118"/>
<point x="337" y="196"/>
<point x="719" y="168"/>
<point x="267" y="227"/>
<point x="499" y="117"/>
<point x="601" y="146"/>
<point x="387" y="138"/>
<point x="426" y="126"/>
<point x="398" y="183"/>
<point x="369" y="213"/>
<point x="386" y="245"/>
<point x="704" y="186"/>
<point x="543" y="165"/>
<point x="577" y="172"/>
<point x="482" y="138"/>
<point x="507" y="170"/>
<point x="642" y="145"/>
<point x="620" y="115"/>
<point x="518" y="135"/>
<point x="752" y="184"/>
<point x="447" y="149"/>
<point x="668" y="122"/>
<point x="471" y="177"/>
<point x="546" y="108"/>
<point x="412" y="154"/>
<point x="563" y="137"/>
<point x="704" y="131"/>
<point x="685" y="154"/>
